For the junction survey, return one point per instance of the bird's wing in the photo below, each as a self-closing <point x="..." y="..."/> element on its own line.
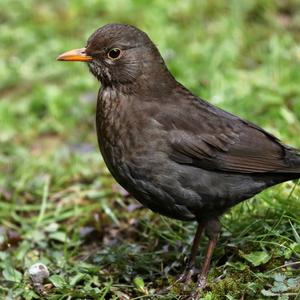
<point x="215" y="140"/>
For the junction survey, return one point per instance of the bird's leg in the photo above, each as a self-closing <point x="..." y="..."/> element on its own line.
<point x="188" y="271"/>
<point x="212" y="230"/>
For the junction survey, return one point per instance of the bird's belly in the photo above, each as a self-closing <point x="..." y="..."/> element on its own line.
<point x="146" y="178"/>
<point x="177" y="191"/>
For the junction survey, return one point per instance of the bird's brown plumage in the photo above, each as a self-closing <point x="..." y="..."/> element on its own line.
<point x="174" y="152"/>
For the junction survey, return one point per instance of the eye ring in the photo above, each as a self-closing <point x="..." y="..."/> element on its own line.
<point x="114" y="53"/>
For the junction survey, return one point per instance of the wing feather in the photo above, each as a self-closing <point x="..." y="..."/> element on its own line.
<point x="212" y="139"/>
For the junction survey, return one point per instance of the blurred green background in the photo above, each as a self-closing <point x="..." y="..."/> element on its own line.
<point x="58" y="203"/>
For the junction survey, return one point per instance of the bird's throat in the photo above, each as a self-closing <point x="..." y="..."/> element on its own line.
<point x="111" y="106"/>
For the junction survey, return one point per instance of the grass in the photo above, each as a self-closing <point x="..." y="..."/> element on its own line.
<point x="58" y="203"/>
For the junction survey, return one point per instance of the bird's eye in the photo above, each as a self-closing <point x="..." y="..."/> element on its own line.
<point x="114" y="53"/>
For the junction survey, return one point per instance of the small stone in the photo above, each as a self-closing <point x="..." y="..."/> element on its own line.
<point x="38" y="273"/>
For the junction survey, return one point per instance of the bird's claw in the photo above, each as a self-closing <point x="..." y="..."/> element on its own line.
<point x="201" y="284"/>
<point x="195" y="295"/>
<point x="185" y="277"/>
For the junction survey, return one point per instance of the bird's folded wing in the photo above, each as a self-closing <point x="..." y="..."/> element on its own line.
<point x="230" y="145"/>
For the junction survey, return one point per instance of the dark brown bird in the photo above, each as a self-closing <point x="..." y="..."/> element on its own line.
<point x="174" y="152"/>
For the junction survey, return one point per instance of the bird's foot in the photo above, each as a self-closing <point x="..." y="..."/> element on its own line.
<point x="201" y="284"/>
<point x="195" y="295"/>
<point x="185" y="277"/>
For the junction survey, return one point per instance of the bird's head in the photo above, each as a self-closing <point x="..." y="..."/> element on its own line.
<point x="119" y="54"/>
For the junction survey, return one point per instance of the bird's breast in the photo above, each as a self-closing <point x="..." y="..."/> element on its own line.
<point x="119" y="135"/>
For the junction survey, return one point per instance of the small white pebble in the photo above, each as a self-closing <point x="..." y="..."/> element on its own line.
<point x="38" y="272"/>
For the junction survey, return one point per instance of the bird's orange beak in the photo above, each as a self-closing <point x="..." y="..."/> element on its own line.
<point x="75" y="55"/>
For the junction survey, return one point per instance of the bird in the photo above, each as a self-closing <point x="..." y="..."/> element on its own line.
<point x="176" y="153"/>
